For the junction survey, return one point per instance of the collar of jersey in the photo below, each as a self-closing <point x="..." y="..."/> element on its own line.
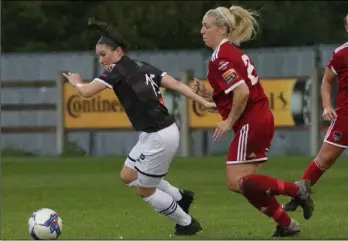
<point x="218" y="47"/>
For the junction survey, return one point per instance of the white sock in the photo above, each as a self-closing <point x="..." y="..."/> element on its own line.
<point x="166" y="187"/>
<point x="166" y="205"/>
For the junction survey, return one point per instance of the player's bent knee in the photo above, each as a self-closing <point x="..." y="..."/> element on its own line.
<point x="128" y="175"/>
<point x="126" y="178"/>
<point x="328" y="155"/>
<point x="235" y="173"/>
<point x="233" y="185"/>
<point x="233" y="182"/>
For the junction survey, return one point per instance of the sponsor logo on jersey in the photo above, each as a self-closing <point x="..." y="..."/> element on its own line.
<point x="223" y="65"/>
<point x="229" y="75"/>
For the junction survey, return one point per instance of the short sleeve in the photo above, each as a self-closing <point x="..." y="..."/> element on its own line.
<point x="107" y="78"/>
<point x="334" y="63"/>
<point x="230" y="73"/>
<point x="152" y="70"/>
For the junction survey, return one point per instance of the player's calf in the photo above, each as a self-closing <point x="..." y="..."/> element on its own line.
<point x="183" y="197"/>
<point x="164" y="203"/>
<point x="167" y="206"/>
<point x="173" y="191"/>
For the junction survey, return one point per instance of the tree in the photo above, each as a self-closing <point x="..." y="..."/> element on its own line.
<point x="151" y="25"/>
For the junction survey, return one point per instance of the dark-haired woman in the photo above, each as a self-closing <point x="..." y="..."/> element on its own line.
<point x="136" y="84"/>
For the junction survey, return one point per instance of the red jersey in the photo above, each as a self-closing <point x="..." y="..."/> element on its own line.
<point x="228" y="68"/>
<point x="339" y="65"/>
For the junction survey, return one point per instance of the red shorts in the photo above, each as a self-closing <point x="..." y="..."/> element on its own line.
<point x="252" y="141"/>
<point x="337" y="134"/>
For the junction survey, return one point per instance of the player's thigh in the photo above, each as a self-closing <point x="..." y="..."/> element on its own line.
<point x="157" y="152"/>
<point x="134" y="154"/>
<point x="251" y="143"/>
<point x="335" y="142"/>
<point x="128" y="172"/>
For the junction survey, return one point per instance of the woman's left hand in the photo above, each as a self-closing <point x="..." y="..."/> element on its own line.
<point x="222" y="128"/>
<point x="73" y="78"/>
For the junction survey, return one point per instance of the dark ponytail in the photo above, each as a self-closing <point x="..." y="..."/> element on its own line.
<point x="108" y="35"/>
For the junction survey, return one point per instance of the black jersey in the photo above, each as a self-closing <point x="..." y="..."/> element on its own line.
<point x="136" y="84"/>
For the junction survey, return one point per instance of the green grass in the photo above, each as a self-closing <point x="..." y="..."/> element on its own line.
<point x="95" y="204"/>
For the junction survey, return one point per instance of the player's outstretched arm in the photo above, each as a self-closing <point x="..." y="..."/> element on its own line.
<point x="171" y="83"/>
<point x="85" y="89"/>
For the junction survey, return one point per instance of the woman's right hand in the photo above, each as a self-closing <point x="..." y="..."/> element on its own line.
<point x="210" y="106"/>
<point x="329" y="114"/>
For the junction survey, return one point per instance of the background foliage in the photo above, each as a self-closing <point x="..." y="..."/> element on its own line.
<point x="46" y="26"/>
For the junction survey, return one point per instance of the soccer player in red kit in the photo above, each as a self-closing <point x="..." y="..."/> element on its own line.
<point x="243" y="106"/>
<point x="336" y="139"/>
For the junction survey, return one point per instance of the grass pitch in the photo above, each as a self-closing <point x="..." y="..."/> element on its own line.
<point x="95" y="204"/>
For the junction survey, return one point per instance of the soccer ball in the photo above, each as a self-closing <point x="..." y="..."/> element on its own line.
<point x="45" y="224"/>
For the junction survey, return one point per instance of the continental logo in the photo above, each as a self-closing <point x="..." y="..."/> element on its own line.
<point x="77" y="105"/>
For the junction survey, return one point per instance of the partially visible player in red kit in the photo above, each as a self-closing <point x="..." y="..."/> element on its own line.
<point x="336" y="139"/>
<point x="243" y="106"/>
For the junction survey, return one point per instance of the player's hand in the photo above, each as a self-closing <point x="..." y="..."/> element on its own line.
<point x="210" y="106"/>
<point x="198" y="86"/>
<point x="221" y="128"/>
<point x="329" y="114"/>
<point x="73" y="78"/>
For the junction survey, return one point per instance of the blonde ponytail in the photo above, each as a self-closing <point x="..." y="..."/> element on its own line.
<point x="244" y="24"/>
<point x="240" y="23"/>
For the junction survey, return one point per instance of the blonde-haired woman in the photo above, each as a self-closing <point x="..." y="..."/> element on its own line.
<point x="243" y="106"/>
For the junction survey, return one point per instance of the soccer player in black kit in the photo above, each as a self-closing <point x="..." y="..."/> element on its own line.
<point x="136" y="84"/>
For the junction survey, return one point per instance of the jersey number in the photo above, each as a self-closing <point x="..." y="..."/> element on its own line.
<point x="250" y="68"/>
<point x="156" y="89"/>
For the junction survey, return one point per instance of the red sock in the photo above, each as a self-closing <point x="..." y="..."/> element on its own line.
<point x="268" y="205"/>
<point x="277" y="212"/>
<point x="313" y="172"/>
<point x="269" y="185"/>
